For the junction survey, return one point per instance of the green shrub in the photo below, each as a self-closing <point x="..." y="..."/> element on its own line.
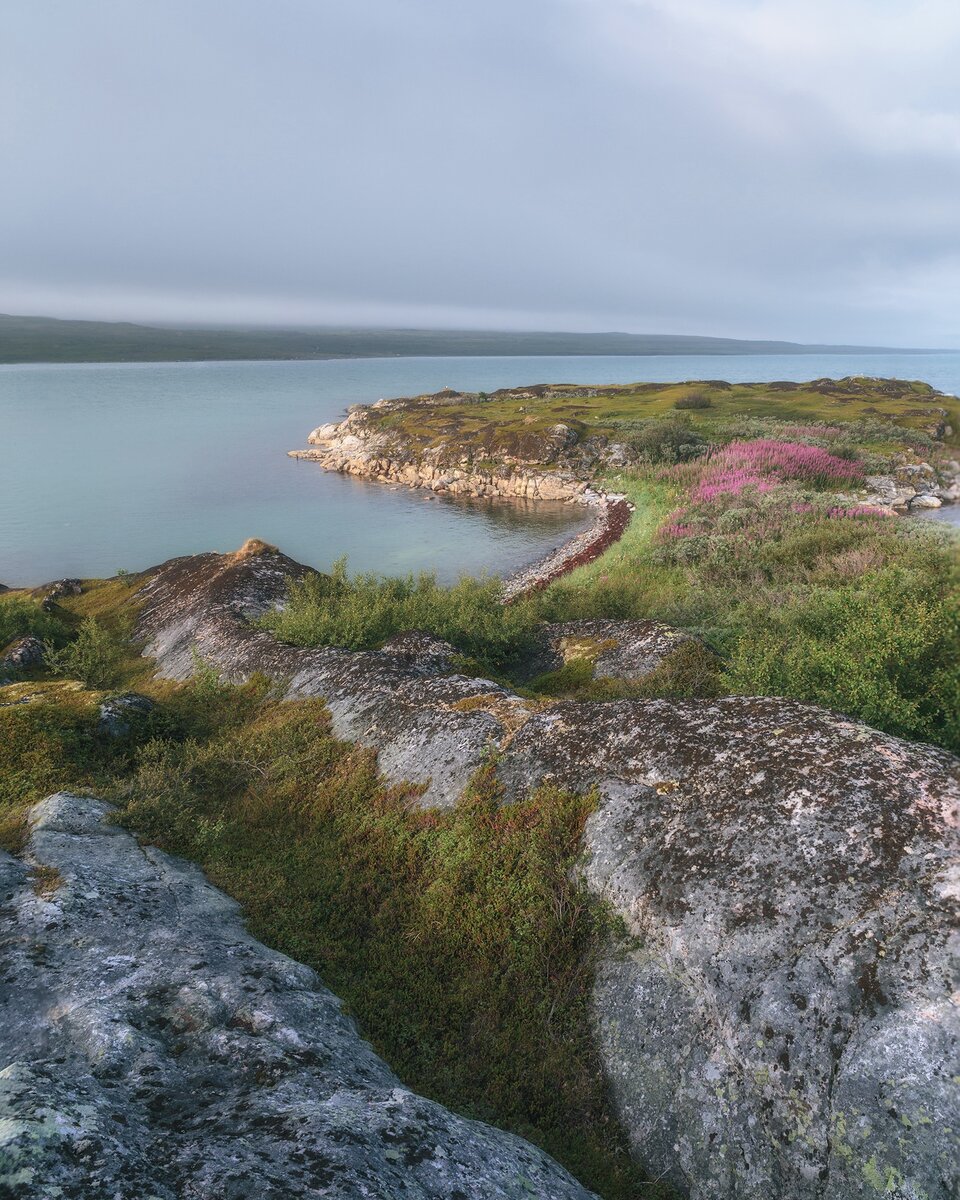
<point x="887" y="651"/>
<point x="666" y="441"/>
<point x="363" y="611"/>
<point x="97" y="656"/>
<point x="20" y="617"/>
<point x="694" y="401"/>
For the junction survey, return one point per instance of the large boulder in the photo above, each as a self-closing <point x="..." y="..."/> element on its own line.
<point x="149" y="1047"/>
<point x="781" y="1020"/>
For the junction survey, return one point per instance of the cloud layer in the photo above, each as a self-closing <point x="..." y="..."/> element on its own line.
<point x="738" y="167"/>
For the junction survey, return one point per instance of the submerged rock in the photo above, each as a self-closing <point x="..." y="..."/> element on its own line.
<point x="149" y="1047"/>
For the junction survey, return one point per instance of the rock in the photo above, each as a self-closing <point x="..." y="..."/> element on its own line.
<point x="20" y="655"/>
<point x="64" y="587"/>
<point x="783" y="1026"/>
<point x="421" y="650"/>
<point x="116" y="713"/>
<point x="427" y="727"/>
<point x="152" y="1048"/>
<point x="925" y="501"/>
<point x="784" y="1022"/>
<point x="618" y="649"/>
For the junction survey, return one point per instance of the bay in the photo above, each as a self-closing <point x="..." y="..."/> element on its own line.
<point x="122" y="465"/>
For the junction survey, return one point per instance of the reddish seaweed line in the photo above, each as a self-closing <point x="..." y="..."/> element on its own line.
<point x="616" y="518"/>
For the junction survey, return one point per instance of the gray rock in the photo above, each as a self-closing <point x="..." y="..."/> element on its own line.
<point x="429" y="729"/>
<point x="784" y="1021"/>
<point x="926" y="500"/>
<point x="64" y="587"/>
<point x="150" y="1048"/>
<point x="421" y="650"/>
<point x="20" y="655"/>
<point x="618" y="649"/>
<point x="116" y="713"/>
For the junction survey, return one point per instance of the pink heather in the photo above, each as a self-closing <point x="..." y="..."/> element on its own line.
<point x="788" y="460"/>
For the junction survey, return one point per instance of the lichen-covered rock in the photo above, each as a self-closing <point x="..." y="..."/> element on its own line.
<point x="20" y="655"/>
<point x="617" y="649"/>
<point x="783" y="1025"/>
<point x="784" y="1021"/>
<point x="421" y="650"/>
<point x="150" y="1048"/>
<point x="117" y="712"/>
<point x="204" y="605"/>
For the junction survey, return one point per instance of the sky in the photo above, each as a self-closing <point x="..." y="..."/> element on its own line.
<point x="745" y="168"/>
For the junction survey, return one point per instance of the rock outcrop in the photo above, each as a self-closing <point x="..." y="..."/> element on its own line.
<point x="784" y="1021"/>
<point x="149" y="1047"/>
<point x="784" y="1024"/>
<point x="618" y="649"/>
<point x="22" y="654"/>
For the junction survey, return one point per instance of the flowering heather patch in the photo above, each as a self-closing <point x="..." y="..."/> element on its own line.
<point x="718" y="481"/>
<point x="788" y="460"/>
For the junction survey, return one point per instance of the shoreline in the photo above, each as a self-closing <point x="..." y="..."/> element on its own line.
<point x="343" y="448"/>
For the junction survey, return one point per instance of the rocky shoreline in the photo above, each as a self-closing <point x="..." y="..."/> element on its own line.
<point x="353" y="447"/>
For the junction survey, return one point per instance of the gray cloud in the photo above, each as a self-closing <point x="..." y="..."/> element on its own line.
<point x="745" y="167"/>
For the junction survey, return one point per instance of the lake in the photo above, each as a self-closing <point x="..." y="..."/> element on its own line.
<point x="108" y="466"/>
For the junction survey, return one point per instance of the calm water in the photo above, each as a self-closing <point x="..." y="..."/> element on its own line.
<point x="124" y="465"/>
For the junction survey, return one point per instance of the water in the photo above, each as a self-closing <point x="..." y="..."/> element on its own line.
<point x="104" y="466"/>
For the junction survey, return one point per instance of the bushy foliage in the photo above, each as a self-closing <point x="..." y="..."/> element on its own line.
<point x="47" y="743"/>
<point x="887" y="650"/>
<point x="695" y="400"/>
<point x="362" y="611"/>
<point x="20" y="617"/>
<point x="458" y="939"/>
<point x="666" y="440"/>
<point x="97" y="656"/>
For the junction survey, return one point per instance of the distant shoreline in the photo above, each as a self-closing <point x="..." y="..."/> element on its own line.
<point x="50" y="341"/>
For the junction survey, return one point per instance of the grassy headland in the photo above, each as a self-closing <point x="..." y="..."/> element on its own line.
<point x="739" y="536"/>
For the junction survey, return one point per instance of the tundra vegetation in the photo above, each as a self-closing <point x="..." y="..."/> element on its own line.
<point x="459" y="939"/>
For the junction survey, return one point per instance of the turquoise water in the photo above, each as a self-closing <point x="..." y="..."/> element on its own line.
<point x="124" y="465"/>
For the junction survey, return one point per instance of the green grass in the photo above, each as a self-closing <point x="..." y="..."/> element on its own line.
<point x="361" y="612"/>
<point x="22" y="616"/>
<point x="511" y="424"/>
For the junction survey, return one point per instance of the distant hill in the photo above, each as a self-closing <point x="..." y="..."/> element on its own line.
<point x="46" y="339"/>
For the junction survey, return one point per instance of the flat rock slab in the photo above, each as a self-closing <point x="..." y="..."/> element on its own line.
<point x="150" y="1049"/>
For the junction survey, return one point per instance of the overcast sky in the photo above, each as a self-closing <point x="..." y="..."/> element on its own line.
<point x="752" y="168"/>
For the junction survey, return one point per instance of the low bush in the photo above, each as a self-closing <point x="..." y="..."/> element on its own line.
<point x="97" y="655"/>
<point x="666" y="440"/>
<point x="696" y="400"/>
<point x="21" y="617"/>
<point x="361" y="612"/>
<point x="886" y="650"/>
